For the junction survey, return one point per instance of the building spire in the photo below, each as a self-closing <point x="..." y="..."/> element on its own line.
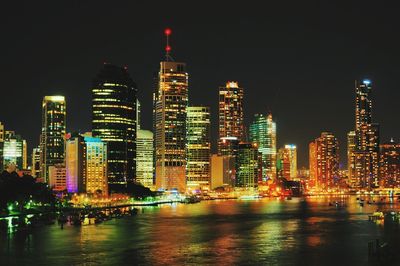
<point x="168" y="48"/>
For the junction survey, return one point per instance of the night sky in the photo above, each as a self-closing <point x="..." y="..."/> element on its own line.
<point x="297" y="59"/>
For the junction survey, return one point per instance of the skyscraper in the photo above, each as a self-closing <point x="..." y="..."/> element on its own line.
<point x="114" y="121"/>
<point x="170" y="107"/>
<point x="144" y="158"/>
<point x="86" y="165"/>
<point x="324" y="161"/>
<point x="390" y="164"/>
<point x="1" y="146"/>
<point x="14" y="151"/>
<point x="230" y="121"/>
<point x="36" y="162"/>
<point x="287" y="162"/>
<point x="263" y="133"/>
<point x="198" y="147"/>
<point x="248" y="166"/>
<point x="52" y="144"/>
<point x="363" y="161"/>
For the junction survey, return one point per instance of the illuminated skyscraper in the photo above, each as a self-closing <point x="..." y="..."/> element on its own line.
<point x="390" y="164"/>
<point x="198" y="147"/>
<point x="363" y="157"/>
<point x="14" y="150"/>
<point x="86" y="165"/>
<point x="230" y="121"/>
<point x="52" y="144"/>
<point x="170" y="107"/>
<point x="144" y="158"/>
<point x="248" y="166"/>
<point x="324" y="161"/>
<point x="114" y="121"/>
<point x="287" y="162"/>
<point x="36" y="162"/>
<point x="57" y="177"/>
<point x="263" y="133"/>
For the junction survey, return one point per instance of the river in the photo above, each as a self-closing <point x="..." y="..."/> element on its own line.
<point x="231" y="232"/>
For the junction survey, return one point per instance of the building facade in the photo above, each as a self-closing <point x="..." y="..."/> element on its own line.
<point x="57" y="177"/>
<point x="14" y="151"/>
<point x="144" y="158"/>
<point x="324" y="162"/>
<point x="263" y="133"/>
<point x="230" y="119"/>
<point x="198" y="147"/>
<point x="114" y="121"/>
<point x="170" y="101"/>
<point x="52" y="146"/>
<point x="390" y="164"/>
<point x="248" y="166"/>
<point x="36" y="162"/>
<point x="287" y="162"/>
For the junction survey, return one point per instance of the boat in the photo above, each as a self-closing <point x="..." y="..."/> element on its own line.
<point x="249" y="197"/>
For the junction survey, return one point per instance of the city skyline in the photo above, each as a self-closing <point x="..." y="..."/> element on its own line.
<point x="294" y="81"/>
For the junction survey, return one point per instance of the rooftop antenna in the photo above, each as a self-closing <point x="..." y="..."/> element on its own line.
<point x="168" y="48"/>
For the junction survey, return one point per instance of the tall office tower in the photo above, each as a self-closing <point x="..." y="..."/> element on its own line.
<point x="86" y="165"/>
<point x="57" y="177"/>
<point x="114" y="121"/>
<point x="198" y="147"/>
<point x="52" y="146"/>
<point x="324" y="161"/>
<point x="248" y="166"/>
<point x="363" y="161"/>
<point x="95" y="177"/>
<point x="390" y="164"/>
<point x="263" y="133"/>
<point x="170" y="102"/>
<point x="230" y="121"/>
<point x="14" y="150"/>
<point x="36" y="162"/>
<point x="1" y="146"/>
<point x="144" y="158"/>
<point x="351" y="147"/>
<point x="287" y="162"/>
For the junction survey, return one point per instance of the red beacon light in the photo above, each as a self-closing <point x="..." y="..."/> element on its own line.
<point x="167" y="31"/>
<point x="168" y="48"/>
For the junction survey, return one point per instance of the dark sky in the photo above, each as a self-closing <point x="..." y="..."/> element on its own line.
<point x="296" y="58"/>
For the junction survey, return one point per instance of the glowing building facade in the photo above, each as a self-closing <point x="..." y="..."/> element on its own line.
<point x="114" y="121"/>
<point x="287" y="162"/>
<point x="1" y="146"/>
<point x="198" y="147"/>
<point x="52" y="146"/>
<point x="324" y="162"/>
<point x="363" y="147"/>
<point x="230" y="121"/>
<point x="170" y="101"/>
<point x="144" y="158"/>
<point x="263" y="134"/>
<point x="14" y="151"/>
<point x="36" y="162"/>
<point x="248" y="166"/>
<point x="57" y="177"/>
<point x="86" y="165"/>
<point x="390" y="164"/>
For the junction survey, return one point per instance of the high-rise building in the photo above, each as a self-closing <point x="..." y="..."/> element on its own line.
<point x="363" y="147"/>
<point x="287" y="162"/>
<point x="36" y="162"/>
<point x="144" y="158"/>
<point x="170" y="107"/>
<point x="114" y="121"/>
<point x="138" y="115"/>
<point x="324" y="162"/>
<point x="86" y="165"/>
<point x="57" y="177"/>
<point x="222" y="171"/>
<point x="390" y="164"/>
<point x="263" y="133"/>
<point x="230" y="121"/>
<point x="248" y="166"/>
<point x="52" y="146"/>
<point x="14" y="151"/>
<point x="198" y="147"/>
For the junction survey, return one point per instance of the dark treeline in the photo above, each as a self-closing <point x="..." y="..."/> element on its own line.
<point x="14" y="188"/>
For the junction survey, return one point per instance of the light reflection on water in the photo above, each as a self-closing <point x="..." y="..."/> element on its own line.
<point x="263" y="232"/>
